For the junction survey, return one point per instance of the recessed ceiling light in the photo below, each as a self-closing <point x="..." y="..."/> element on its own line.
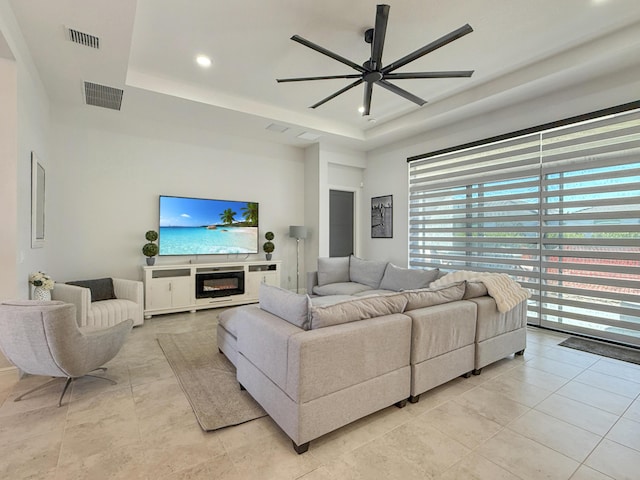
<point x="203" y="61"/>
<point x="360" y="109"/>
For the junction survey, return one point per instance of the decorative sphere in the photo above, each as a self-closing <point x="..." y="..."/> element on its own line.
<point x="150" y="249"/>
<point x="151" y="235"/>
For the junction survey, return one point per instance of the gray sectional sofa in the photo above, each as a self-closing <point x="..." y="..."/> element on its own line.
<point x="371" y="335"/>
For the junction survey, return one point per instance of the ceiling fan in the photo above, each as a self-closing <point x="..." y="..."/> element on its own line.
<point x="372" y="72"/>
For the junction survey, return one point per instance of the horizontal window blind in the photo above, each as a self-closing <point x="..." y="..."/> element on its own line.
<point x="591" y="227"/>
<point x="558" y="210"/>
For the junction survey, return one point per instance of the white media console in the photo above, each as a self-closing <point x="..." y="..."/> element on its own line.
<point x="191" y="287"/>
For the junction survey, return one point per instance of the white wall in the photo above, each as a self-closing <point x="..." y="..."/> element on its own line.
<point x="8" y="178"/>
<point x="26" y="131"/>
<point x="24" y="126"/>
<point x="110" y="169"/>
<point x="315" y="175"/>
<point x="387" y="168"/>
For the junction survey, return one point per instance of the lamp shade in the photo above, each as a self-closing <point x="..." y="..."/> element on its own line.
<point x="297" y="231"/>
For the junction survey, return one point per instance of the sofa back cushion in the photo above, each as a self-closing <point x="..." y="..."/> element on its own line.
<point x="341" y="288"/>
<point x="367" y="272"/>
<point x="427" y="297"/>
<point x="333" y="270"/>
<point x="398" y="278"/>
<point x="475" y="290"/>
<point x="355" y="310"/>
<point x="287" y="305"/>
<point x="101" y="288"/>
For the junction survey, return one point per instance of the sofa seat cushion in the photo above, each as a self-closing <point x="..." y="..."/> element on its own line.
<point x="398" y="278"/>
<point x="340" y="288"/>
<point x="106" y="313"/>
<point x="441" y="329"/>
<point x="367" y="272"/>
<point x="333" y="270"/>
<point x="230" y="318"/>
<point x="356" y="310"/>
<point x="492" y="323"/>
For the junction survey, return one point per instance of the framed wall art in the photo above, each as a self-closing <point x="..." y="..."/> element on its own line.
<point x="382" y="217"/>
<point x="37" y="202"/>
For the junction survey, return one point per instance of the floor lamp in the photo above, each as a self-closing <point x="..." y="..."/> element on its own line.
<point x="299" y="233"/>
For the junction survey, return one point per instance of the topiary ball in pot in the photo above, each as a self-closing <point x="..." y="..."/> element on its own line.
<point x="150" y="250"/>
<point x="268" y="246"/>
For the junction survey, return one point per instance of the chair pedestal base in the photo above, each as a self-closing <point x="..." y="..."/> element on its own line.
<point x="66" y="385"/>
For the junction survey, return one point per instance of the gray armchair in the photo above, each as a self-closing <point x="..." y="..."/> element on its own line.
<point x="43" y="338"/>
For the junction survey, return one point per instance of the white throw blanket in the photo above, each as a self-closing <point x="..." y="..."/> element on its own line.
<point x="505" y="291"/>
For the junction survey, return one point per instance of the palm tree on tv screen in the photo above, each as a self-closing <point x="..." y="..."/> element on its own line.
<point x="250" y="213"/>
<point x="227" y="216"/>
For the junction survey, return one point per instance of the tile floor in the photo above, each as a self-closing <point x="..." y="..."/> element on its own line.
<point x="554" y="413"/>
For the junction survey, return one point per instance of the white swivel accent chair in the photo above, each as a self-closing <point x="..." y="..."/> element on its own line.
<point x="43" y="338"/>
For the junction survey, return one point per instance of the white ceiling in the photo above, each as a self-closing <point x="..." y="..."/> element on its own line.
<point x="519" y="49"/>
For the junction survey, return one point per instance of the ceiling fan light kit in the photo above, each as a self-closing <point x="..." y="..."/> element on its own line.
<point x="372" y="72"/>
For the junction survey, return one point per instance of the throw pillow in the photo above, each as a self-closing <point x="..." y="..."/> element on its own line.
<point x="101" y="288"/>
<point x="367" y="272"/>
<point x="355" y="310"/>
<point x="428" y="297"/>
<point x="289" y="306"/>
<point x="398" y="278"/>
<point x="333" y="270"/>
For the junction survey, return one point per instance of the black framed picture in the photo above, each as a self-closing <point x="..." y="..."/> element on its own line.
<point x="382" y="217"/>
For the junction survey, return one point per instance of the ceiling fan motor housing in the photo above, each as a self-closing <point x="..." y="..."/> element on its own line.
<point x="368" y="35"/>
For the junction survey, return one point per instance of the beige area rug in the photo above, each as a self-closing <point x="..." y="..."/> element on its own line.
<point x="208" y="380"/>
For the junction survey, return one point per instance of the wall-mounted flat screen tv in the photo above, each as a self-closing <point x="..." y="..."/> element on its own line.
<point x="200" y="226"/>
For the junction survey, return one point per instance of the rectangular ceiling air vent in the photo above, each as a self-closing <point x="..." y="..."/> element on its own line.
<point x="82" y="38"/>
<point x="275" y="127"/>
<point x="309" y="136"/>
<point x="102" y="96"/>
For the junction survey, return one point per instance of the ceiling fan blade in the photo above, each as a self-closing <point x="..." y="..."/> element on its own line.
<point x="379" y="32"/>
<point x="453" y="74"/>
<point x="339" y="92"/>
<point x="402" y="92"/>
<point x="328" y="53"/>
<point x="327" y="77"/>
<point x="441" y="42"/>
<point x="366" y="104"/>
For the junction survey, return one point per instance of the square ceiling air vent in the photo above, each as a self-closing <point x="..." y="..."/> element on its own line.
<point x="102" y="96"/>
<point x="82" y="38"/>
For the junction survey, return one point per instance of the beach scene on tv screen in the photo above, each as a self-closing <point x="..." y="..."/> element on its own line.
<point x="196" y="226"/>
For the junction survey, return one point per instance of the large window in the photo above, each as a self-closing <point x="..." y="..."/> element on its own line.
<point x="558" y="209"/>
